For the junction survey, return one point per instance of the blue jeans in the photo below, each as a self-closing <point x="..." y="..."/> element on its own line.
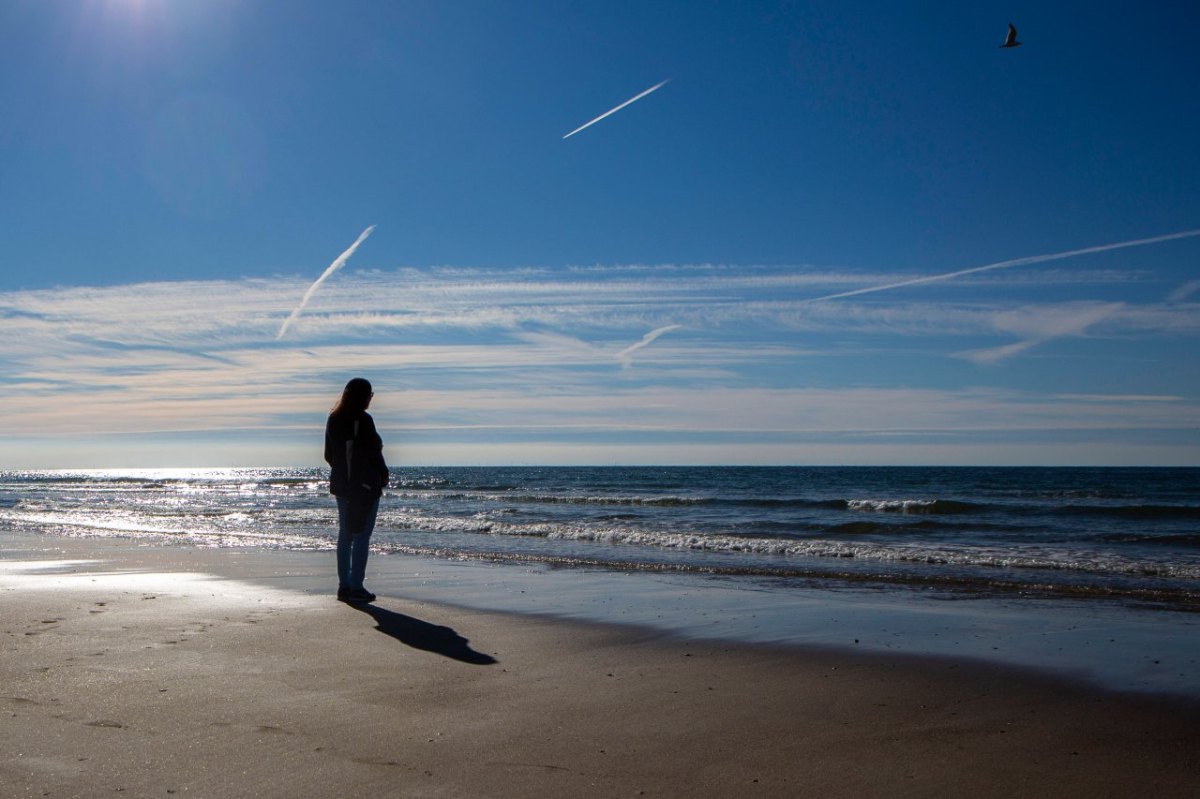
<point x="356" y="522"/>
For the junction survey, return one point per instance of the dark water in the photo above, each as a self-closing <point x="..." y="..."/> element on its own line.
<point x="1129" y="534"/>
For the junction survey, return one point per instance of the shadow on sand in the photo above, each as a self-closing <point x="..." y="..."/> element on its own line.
<point x="423" y="635"/>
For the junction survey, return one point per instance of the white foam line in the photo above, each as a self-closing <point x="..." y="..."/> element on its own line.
<point x="333" y="267"/>
<point x="1032" y="259"/>
<point x="612" y="111"/>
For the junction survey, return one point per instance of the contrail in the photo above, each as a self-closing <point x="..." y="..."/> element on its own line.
<point x="1032" y="259"/>
<point x="333" y="267"/>
<point x="633" y="99"/>
<point x="625" y="356"/>
<point x="1183" y="292"/>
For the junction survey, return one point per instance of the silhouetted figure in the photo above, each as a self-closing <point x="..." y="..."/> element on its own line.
<point x="357" y="477"/>
<point x="1011" y="39"/>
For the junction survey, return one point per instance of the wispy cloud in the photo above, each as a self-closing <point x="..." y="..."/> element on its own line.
<point x="612" y="111"/>
<point x="1119" y="397"/>
<point x="499" y="306"/>
<point x="329" y="270"/>
<point x="527" y="356"/>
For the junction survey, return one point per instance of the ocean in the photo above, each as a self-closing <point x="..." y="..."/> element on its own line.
<point x="1125" y="535"/>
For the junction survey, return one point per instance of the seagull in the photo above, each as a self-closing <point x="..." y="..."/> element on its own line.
<point x="1011" y="39"/>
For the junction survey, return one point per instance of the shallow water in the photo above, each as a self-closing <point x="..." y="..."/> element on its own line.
<point x="1075" y="533"/>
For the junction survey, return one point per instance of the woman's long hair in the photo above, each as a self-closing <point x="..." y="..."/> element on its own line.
<point x="356" y="396"/>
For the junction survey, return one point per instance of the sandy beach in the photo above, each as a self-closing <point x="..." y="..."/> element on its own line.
<point x="148" y="671"/>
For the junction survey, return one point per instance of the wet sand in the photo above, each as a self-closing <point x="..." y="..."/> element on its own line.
<point x="150" y="671"/>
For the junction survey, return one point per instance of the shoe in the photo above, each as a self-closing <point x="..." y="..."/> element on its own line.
<point x="359" y="595"/>
<point x="343" y="594"/>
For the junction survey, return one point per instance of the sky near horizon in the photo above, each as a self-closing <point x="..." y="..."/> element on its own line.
<point x="217" y="212"/>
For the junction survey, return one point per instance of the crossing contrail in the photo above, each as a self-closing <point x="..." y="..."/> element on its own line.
<point x="1031" y="259"/>
<point x="611" y="111"/>
<point x="333" y="267"/>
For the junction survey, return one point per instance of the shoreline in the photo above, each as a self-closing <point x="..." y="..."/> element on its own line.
<point x="1111" y="645"/>
<point x="234" y="673"/>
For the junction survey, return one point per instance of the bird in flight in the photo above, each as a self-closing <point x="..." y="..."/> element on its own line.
<point x="1011" y="39"/>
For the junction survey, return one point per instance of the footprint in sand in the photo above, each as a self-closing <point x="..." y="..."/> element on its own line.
<point x="368" y="761"/>
<point x="272" y="729"/>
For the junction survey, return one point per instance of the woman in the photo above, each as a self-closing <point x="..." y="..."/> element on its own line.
<point x="357" y="477"/>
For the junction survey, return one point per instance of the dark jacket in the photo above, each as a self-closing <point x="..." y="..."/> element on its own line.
<point x="354" y="452"/>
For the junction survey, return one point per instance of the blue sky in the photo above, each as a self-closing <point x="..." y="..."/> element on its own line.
<point x="176" y="174"/>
